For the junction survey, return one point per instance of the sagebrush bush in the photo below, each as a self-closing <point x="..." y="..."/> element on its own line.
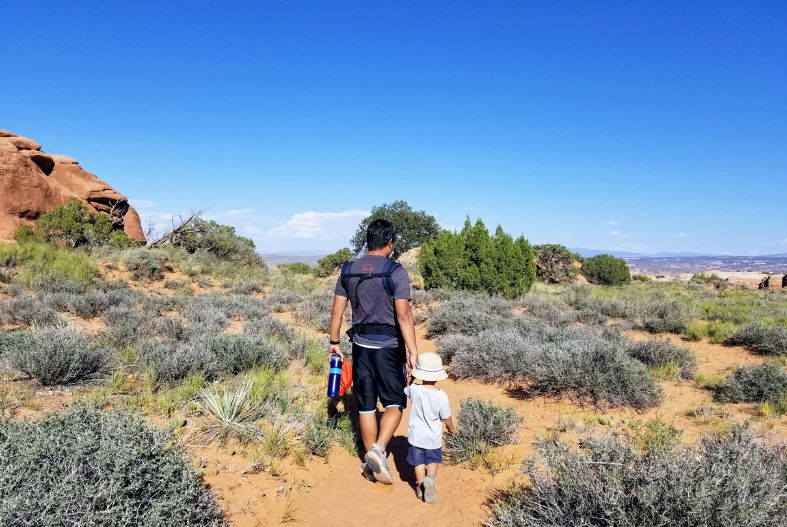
<point x="146" y="264"/>
<point x="27" y="310"/>
<point x="211" y="354"/>
<point x="549" y="308"/>
<point x="468" y="313"/>
<point x="281" y="300"/>
<point x="657" y="353"/>
<point x="89" y="303"/>
<point x="662" y="314"/>
<point x="539" y="358"/>
<point x="481" y="425"/>
<point x="315" y="310"/>
<point x="58" y="355"/>
<point x="727" y="479"/>
<point x="753" y="384"/>
<point x="126" y="326"/>
<point x="760" y="337"/>
<point x="87" y="467"/>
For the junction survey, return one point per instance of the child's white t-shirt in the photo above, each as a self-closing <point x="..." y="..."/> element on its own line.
<point x="428" y="409"/>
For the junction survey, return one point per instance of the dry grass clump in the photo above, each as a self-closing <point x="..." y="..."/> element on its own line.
<point x="87" y="467"/>
<point x="727" y="480"/>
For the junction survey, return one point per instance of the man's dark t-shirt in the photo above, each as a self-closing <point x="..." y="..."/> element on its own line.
<point x="373" y="304"/>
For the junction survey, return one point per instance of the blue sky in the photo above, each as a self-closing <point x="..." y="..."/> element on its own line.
<point x="640" y="126"/>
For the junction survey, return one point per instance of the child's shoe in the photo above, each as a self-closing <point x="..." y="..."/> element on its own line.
<point x="419" y="493"/>
<point x="430" y="492"/>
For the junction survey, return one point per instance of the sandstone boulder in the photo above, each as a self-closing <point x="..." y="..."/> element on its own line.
<point x="23" y="143"/>
<point x="774" y="281"/>
<point x="33" y="182"/>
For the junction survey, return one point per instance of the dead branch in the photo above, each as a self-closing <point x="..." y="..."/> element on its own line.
<point x="177" y="227"/>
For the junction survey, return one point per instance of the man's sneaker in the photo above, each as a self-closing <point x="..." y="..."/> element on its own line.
<point x="375" y="459"/>
<point x="367" y="472"/>
<point x="430" y="492"/>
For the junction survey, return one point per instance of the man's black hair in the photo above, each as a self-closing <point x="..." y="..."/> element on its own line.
<point x="378" y="234"/>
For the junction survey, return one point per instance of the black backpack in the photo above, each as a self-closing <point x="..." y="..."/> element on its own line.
<point x="386" y="276"/>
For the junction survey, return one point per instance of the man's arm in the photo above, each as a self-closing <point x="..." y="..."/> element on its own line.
<point x="337" y="313"/>
<point x="404" y="316"/>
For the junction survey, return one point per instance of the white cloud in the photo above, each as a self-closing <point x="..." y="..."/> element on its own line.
<point x="680" y="235"/>
<point x="234" y="213"/>
<point x="614" y="233"/>
<point x="312" y="225"/>
<point x="611" y="222"/>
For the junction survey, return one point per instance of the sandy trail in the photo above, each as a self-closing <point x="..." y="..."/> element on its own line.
<point x="334" y="492"/>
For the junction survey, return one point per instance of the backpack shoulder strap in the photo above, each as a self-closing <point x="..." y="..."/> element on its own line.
<point x="388" y="270"/>
<point x="345" y="277"/>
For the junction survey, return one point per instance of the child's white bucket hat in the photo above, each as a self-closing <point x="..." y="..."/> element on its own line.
<point x="429" y="368"/>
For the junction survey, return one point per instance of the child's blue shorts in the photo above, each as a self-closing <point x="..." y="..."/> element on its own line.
<point x="423" y="456"/>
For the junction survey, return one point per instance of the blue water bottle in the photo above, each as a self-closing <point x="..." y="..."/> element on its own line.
<point x="334" y="376"/>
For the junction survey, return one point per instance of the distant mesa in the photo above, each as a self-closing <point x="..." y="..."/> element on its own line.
<point x="33" y="182"/>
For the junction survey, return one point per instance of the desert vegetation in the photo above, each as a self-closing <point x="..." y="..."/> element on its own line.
<point x="200" y="351"/>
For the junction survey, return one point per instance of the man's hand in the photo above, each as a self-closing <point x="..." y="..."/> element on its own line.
<point x="335" y="349"/>
<point x="412" y="360"/>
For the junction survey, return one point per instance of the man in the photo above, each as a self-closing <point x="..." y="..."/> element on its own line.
<point x="383" y="335"/>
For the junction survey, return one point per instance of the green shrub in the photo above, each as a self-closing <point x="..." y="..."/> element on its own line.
<point x="296" y="268"/>
<point x="727" y="480"/>
<point x="58" y="355"/>
<point x="45" y="266"/>
<point x="696" y="331"/>
<point x="27" y="234"/>
<point x="329" y="264"/>
<point x="641" y="278"/>
<point x="753" y="384"/>
<point x="606" y="269"/>
<point x="86" y="467"/>
<point x="473" y="260"/>
<point x="413" y="228"/>
<point x="481" y="426"/>
<point x="555" y="263"/>
<point x="75" y="225"/>
<point x="661" y="314"/>
<point x="216" y="239"/>
<point x="760" y="337"/>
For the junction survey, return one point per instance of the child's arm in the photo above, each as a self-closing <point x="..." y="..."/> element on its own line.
<point x="449" y="424"/>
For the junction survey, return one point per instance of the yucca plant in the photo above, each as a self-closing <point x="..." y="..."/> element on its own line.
<point x="231" y="414"/>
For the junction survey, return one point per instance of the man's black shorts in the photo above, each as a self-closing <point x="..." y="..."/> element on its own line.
<point x="379" y="373"/>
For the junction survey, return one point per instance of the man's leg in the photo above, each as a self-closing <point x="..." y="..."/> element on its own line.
<point x="368" y="423"/>
<point x="388" y="425"/>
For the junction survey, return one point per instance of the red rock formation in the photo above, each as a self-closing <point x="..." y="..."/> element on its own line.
<point x="33" y="182"/>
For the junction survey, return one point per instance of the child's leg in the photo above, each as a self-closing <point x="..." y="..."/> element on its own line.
<point x="420" y="473"/>
<point x="431" y="469"/>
